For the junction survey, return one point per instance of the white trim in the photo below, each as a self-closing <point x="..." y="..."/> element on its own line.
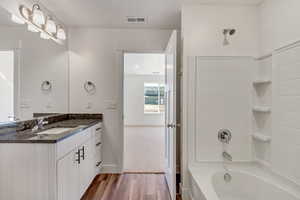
<point x="110" y="169"/>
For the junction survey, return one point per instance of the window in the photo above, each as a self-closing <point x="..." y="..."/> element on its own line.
<point x="154" y="95"/>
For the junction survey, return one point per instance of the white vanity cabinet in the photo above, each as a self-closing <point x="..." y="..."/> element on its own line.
<point x="75" y="169"/>
<point x="58" y="171"/>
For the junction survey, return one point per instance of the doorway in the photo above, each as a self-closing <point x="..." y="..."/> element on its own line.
<point x="144" y="112"/>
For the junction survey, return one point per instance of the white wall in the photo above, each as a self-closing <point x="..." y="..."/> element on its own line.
<point x="6" y="85"/>
<point x="279" y="24"/>
<point x="220" y="98"/>
<point x="144" y="149"/>
<point x="95" y="54"/>
<point x="202" y="30"/>
<point x="285" y="146"/>
<point x="134" y="100"/>
<point x="39" y="60"/>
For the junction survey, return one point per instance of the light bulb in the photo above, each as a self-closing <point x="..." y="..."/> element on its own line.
<point x="45" y="36"/>
<point x="38" y="16"/>
<point x="32" y="28"/>
<point x="50" y="26"/>
<point x="17" y="20"/>
<point x="61" y="34"/>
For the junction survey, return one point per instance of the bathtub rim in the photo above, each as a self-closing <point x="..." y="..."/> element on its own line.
<point x="202" y="174"/>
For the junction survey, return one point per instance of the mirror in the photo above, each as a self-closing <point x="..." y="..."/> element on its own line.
<point x="33" y="72"/>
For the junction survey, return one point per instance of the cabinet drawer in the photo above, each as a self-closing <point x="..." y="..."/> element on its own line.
<point x="98" y="153"/>
<point x="98" y="139"/>
<point x="67" y="145"/>
<point x="98" y="129"/>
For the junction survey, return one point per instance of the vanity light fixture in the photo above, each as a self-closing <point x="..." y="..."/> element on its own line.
<point x="38" y="21"/>
<point x="45" y="36"/>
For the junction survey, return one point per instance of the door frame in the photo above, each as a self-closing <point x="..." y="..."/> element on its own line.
<point x="121" y="54"/>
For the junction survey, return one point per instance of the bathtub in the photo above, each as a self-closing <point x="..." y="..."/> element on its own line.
<point x="249" y="182"/>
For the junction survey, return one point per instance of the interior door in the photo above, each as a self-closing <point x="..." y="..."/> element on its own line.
<point x="170" y="115"/>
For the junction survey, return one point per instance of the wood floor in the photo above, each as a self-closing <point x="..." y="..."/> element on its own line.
<point x="128" y="187"/>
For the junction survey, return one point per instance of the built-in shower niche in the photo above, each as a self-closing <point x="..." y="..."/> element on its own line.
<point x="261" y="110"/>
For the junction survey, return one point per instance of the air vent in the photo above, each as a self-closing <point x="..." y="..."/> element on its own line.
<point x="136" y="20"/>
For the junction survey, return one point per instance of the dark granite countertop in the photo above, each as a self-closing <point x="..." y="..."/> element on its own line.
<point x="21" y="132"/>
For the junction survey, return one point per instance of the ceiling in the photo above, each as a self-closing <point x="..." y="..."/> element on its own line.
<point x="113" y="13"/>
<point x="144" y="64"/>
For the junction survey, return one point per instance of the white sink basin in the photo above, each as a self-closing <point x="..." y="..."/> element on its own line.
<point x="54" y="131"/>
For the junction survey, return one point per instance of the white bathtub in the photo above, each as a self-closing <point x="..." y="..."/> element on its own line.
<point x="249" y="182"/>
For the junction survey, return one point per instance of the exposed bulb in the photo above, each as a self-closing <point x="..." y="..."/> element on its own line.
<point x="32" y="28"/>
<point x="17" y="20"/>
<point x="38" y="16"/>
<point x="50" y="26"/>
<point x="61" y="34"/>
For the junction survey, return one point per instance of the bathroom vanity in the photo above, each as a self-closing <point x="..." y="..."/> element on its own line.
<point x="57" y="162"/>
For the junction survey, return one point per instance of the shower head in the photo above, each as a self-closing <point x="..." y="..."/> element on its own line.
<point x="229" y="31"/>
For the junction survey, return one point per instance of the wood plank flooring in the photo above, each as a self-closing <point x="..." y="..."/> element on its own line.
<point x="128" y="187"/>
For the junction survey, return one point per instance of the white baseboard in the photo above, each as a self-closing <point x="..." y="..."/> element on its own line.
<point x="110" y="169"/>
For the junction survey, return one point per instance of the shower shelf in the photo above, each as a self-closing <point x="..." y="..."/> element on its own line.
<point x="264" y="109"/>
<point x="261" y="137"/>
<point x="261" y="82"/>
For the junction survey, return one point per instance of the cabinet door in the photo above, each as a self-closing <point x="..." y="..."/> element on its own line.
<point x="68" y="177"/>
<point x="86" y="170"/>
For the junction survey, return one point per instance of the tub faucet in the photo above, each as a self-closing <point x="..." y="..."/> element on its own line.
<point x="227" y="156"/>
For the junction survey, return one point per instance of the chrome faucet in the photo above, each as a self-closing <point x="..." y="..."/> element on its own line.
<point x="40" y="124"/>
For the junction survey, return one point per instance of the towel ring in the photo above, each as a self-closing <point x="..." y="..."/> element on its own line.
<point x="90" y="87"/>
<point x="46" y="86"/>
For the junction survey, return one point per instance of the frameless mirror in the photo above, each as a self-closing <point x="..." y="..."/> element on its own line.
<point x="33" y="72"/>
